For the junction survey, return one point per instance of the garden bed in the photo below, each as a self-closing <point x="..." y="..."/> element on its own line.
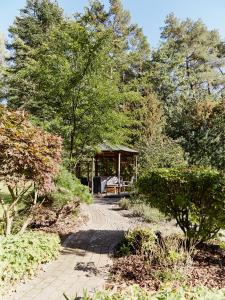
<point x="206" y="267"/>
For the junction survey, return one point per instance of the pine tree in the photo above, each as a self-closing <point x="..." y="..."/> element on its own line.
<point x="187" y="65"/>
<point x="187" y="69"/>
<point x="30" y="30"/>
<point x="2" y="66"/>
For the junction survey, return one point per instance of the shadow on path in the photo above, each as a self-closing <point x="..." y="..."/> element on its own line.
<point x="97" y="241"/>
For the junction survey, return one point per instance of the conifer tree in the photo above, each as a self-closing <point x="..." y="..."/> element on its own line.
<point x="29" y="30"/>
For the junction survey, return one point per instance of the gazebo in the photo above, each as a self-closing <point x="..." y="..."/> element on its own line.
<point x="113" y="168"/>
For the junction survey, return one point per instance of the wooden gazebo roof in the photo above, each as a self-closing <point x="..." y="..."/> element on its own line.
<point x="108" y="148"/>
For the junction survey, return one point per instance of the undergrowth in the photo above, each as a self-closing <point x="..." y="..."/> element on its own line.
<point x="136" y="293"/>
<point x="21" y="255"/>
<point x="138" y="209"/>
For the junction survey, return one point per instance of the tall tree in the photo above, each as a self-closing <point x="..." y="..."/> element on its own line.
<point x="187" y="69"/>
<point x="129" y="50"/>
<point x="2" y="65"/>
<point x="129" y="46"/>
<point x="75" y="90"/>
<point x="201" y="131"/>
<point x="188" y="64"/>
<point x="29" y="31"/>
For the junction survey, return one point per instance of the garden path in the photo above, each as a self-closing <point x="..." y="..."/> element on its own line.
<point x="85" y="259"/>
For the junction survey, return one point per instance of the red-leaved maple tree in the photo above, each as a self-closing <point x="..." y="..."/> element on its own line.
<point x="29" y="158"/>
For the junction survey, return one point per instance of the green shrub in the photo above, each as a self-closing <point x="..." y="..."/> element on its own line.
<point x="69" y="187"/>
<point x="169" y="253"/>
<point x="124" y="203"/>
<point x="182" y="293"/>
<point x="140" y="239"/>
<point x="21" y="254"/>
<point x="195" y="197"/>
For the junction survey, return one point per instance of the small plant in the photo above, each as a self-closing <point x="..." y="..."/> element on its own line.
<point x="139" y="240"/>
<point x="222" y="245"/>
<point x="167" y="257"/>
<point x="124" y="203"/>
<point x="170" y="275"/>
<point x="140" y="209"/>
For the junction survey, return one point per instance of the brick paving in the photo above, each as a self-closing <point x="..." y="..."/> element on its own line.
<point x="85" y="260"/>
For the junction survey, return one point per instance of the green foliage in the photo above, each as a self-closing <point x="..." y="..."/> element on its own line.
<point x="200" y="129"/>
<point x="68" y="188"/>
<point x="124" y="203"/>
<point x="20" y="255"/>
<point x="29" y="30"/>
<point x="138" y="240"/>
<point x="161" y="152"/>
<point x="2" y="65"/>
<point x="140" y="209"/>
<point x="87" y="92"/>
<point x="156" y="149"/>
<point x="181" y="293"/>
<point x="193" y="196"/>
<point x="129" y="46"/>
<point x="185" y="70"/>
<point x="148" y="213"/>
<point x="81" y="94"/>
<point x="187" y="64"/>
<point x="169" y="253"/>
<point x="197" y="293"/>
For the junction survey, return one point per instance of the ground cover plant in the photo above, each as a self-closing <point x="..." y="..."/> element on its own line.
<point x="154" y="261"/>
<point x="194" y="197"/>
<point x="22" y="254"/>
<point x="136" y="293"/>
<point x="140" y="209"/>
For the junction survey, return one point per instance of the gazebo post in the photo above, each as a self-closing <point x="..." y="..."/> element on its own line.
<point x="136" y="167"/>
<point x="88" y="171"/>
<point x="92" y="175"/>
<point x="119" y="163"/>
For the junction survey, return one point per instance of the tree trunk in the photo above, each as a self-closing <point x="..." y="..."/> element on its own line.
<point x="25" y="224"/>
<point x="9" y="221"/>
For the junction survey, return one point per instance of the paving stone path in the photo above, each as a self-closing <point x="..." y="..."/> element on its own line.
<point x="85" y="260"/>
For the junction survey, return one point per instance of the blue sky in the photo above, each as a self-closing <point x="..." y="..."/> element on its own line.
<point x="149" y="14"/>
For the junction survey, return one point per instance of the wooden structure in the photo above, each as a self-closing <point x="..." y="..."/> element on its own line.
<point x="115" y="160"/>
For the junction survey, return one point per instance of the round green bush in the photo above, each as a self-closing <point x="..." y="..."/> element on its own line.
<point x="195" y="197"/>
